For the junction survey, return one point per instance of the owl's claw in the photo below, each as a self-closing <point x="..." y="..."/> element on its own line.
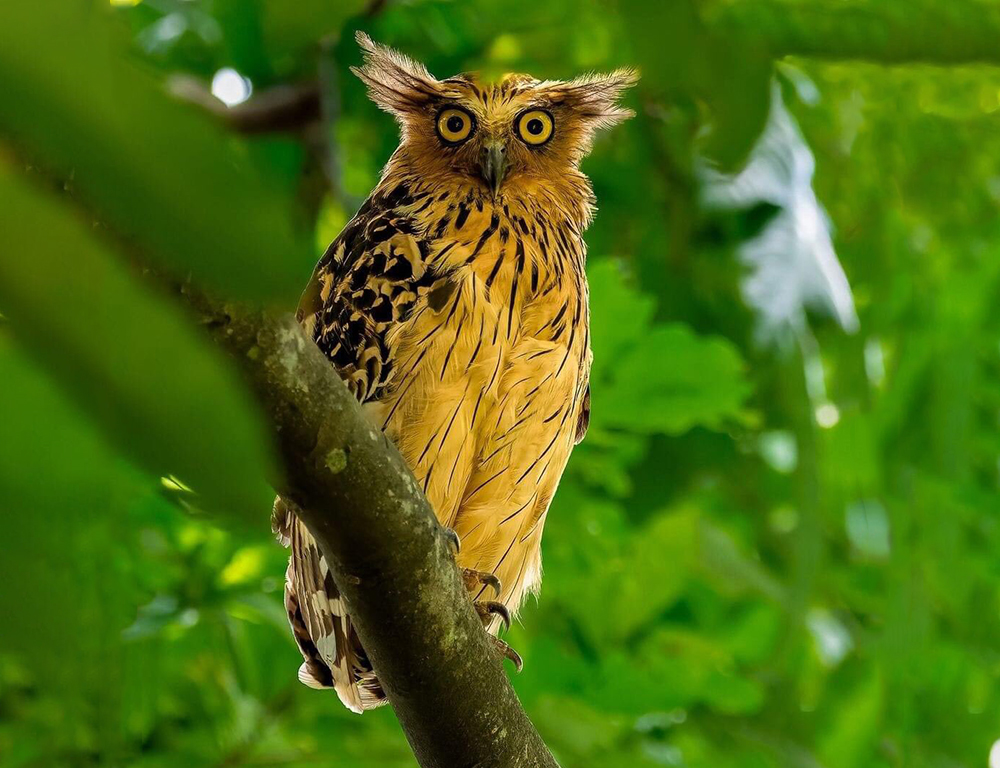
<point x="474" y="579"/>
<point x="487" y="609"/>
<point x="453" y="541"/>
<point x="508" y="653"/>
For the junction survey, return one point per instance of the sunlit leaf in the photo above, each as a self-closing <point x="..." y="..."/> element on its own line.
<point x="620" y="314"/>
<point x="850" y="738"/>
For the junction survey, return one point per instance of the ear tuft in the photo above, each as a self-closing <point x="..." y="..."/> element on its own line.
<point x="395" y="82"/>
<point x="595" y="96"/>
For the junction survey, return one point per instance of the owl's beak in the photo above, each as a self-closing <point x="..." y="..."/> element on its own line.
<point x="493" y="165"/>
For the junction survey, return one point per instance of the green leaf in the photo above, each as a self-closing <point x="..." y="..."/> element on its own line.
<point x="850" y="737"/>
<point x="619" y="314"/>
<point x="62" y="487"/>
<point x="164" y="176"/>
<point x="731" y="570"/>
<point x="159" y="392"/>
<point x="604" y="559"/>
<point x="663" y="553"/>
<point x="66" y="594"/>
<point x="669" y="381"/>
<point x="655" y="378"/>
<point x="573" y="728"/>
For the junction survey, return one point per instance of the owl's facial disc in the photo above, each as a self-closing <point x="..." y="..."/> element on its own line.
<point x="493" y="165"/>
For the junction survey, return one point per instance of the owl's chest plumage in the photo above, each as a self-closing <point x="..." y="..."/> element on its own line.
<point x="489" y="409"/>
<point x="462" y="324"/>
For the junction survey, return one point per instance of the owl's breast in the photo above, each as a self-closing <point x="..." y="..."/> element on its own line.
<point x="500" y="274"/>
<point x="489" y="374"/>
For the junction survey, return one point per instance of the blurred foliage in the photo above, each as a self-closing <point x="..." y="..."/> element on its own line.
<point x="764" y="554"/>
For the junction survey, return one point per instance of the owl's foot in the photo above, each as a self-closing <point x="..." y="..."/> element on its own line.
<point x="508" y="653"/>
<point x="479" y="580"/>
<point x="473" y="579"/>
<point x="490" y="609"/>
<point x="454" y="542"/>
<point x="487" y="609"/>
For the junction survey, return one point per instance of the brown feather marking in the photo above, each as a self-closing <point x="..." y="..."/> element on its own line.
<point x="583" y="421"/>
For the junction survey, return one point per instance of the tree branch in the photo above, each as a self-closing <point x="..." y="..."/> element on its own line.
<point x="281" y="108"/>
<point x="959" y="32"/>
<point x="389" y="556"/>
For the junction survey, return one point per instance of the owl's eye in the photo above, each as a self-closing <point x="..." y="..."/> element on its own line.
<point x="454" y="125"/>
<point x="535" y="127"/>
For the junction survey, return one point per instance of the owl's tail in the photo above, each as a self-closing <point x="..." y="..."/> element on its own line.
<point x="332" y="653"/>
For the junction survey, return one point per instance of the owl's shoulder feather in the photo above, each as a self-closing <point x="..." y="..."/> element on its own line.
<point x="369" y="280"/>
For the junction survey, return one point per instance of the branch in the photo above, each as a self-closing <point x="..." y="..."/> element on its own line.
<point x="389" y="557"/>
<point x="282" y="108"/>
<point x="960" y="32"/>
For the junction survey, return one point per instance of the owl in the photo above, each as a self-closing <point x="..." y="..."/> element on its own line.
<point x="454" y="306"/>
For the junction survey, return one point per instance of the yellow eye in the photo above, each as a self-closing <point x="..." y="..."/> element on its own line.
<point x="535" y="127"/>
<point x="454" y="125"/>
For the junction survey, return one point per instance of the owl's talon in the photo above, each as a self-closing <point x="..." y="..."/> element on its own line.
<point x="508" y="653"/>
<point x="490" y="608"/>
<point x="474" y="579"/>
<point x="453" y="541"/>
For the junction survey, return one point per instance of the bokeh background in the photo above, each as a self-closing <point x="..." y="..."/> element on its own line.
<point x="779" y="544"/>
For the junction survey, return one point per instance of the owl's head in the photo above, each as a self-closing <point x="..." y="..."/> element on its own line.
<point x="516" y="131"/>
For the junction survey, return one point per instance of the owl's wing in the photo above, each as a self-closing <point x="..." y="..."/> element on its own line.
<point x="367" y="281"/>
<point x="332" y="654"/>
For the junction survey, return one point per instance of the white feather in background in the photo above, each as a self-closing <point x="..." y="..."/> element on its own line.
<point x="791" y="263"/>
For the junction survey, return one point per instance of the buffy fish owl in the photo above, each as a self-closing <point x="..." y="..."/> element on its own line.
<point x="454" y="305"/>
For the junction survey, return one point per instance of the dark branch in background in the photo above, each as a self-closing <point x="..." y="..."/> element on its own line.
<point x="389" y="556"/>
<point x="375" y="7"/>
<point x="307" y="110"/>
<point x="319" y="141"/>
<point x="280" y="109"/>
